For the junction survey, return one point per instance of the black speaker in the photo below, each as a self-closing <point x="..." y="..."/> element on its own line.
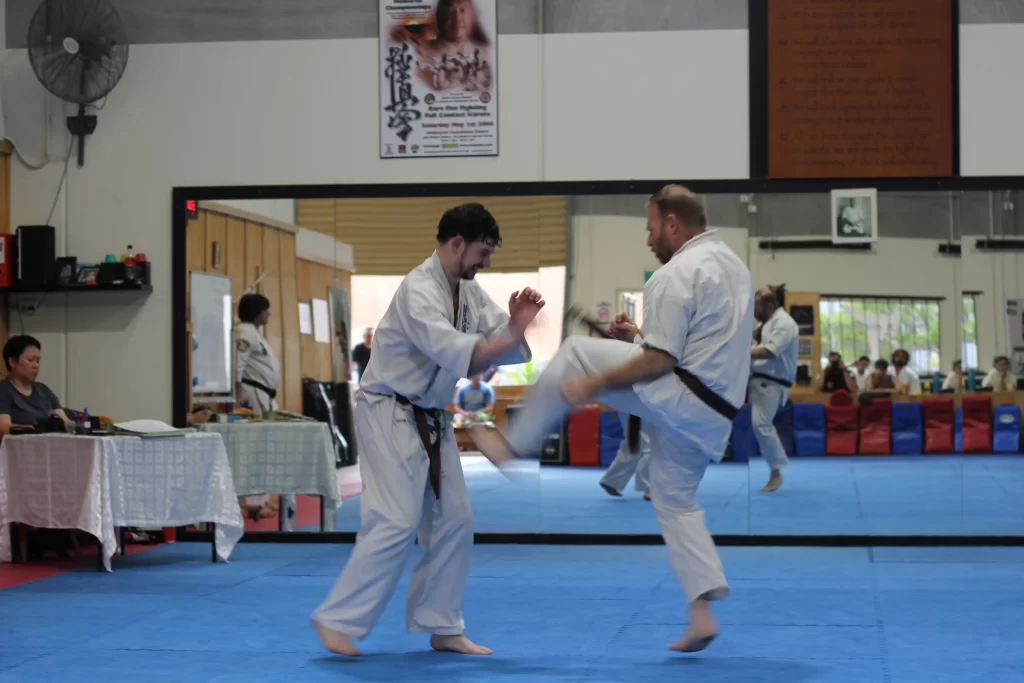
<point x="37" y="255"/>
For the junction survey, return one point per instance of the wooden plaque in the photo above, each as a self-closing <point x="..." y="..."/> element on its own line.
<point x="860" y="89"/>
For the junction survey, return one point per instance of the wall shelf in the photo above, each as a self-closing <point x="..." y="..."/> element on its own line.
<point x="61" y="289"/>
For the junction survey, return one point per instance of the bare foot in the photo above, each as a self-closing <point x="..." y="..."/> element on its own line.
<point x="459" y="644"/>
<point x="702" y="630"/>
<point x="647" y="496"/>
<point x="774" y="482"/>
<point x="336" y="641"/>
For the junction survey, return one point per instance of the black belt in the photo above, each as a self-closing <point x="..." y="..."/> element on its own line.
<point x="701" y="391"/>
<point x="272" y="393"/>
<point x="761" y="375"/>
<point x="433" y="448"/>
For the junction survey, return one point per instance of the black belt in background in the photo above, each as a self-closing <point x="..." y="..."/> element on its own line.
<point x="783" y="382"/>
<point x="701" y="391"/>
<point x="433" y="448"/>
<point x="272" y="393"/>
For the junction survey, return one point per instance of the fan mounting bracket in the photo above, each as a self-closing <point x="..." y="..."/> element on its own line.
<point x="80" y="126"/>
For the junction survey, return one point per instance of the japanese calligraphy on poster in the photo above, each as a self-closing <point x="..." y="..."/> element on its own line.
<point x="438" y="78"/>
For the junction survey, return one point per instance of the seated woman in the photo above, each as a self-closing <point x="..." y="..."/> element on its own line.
<point x="24" y="402"/>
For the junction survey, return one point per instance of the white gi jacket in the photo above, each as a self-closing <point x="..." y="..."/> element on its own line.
<point x="421" y="348"/>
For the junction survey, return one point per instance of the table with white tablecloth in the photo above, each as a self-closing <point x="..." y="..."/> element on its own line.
<point x="101" y="483"/>
<point x="281" y="457"/>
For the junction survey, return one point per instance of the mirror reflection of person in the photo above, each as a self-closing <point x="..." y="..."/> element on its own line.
<point x="835" y="377"/>
<point x="258" y="374"/>
<point x="906" y="380"/>
<point x="474" y="397"/>
<point x="955" y="379"/>
<point x="24" y="402"/>
<point x="880" y="380"/>
<point x="361" y="352"/>
<point x="1000" y="378"/>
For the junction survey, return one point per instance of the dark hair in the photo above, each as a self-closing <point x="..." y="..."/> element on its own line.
<point x="16" y="346"/>
<point x="999" y="358"/>
<point x="251" y="306"/>
<point x="472" y="222"/>
<point x="768" y="298"/>
<point x="835" y="353"/>
<point x="444" y="7"/>
<point x="957" y="362"/>
<point x="864" y="358"/>
<point x="882" y="364"/>
<point x="903" y="351"/>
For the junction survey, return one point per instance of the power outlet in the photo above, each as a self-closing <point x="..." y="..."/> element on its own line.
<point x="27" y="309"/>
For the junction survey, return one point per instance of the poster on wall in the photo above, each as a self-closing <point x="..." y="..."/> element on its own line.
<point x="1015" y="334"/>
<point x="854" y="216"/>
<point x="438" y="78"/>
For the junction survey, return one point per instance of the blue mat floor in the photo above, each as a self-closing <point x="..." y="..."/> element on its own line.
<point x="551" y="613"/>
<point x="888" y="495"/>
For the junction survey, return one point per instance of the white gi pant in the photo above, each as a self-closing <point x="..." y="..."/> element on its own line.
<point x="260" y="402"/>
<point x="628" y="463"/>
<point x="766" y="400"/>
<point x="398" y="505"/>
<point x="675" y="470"/>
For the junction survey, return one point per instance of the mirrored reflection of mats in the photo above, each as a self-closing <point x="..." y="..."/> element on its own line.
<point x="552" y="613"/>
<point x="861" y="495"/>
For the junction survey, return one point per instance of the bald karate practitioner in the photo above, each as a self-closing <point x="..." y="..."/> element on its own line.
<point x="685" y="381"/>
<point x="773" y="369"/>
<point x="440" y="327"/>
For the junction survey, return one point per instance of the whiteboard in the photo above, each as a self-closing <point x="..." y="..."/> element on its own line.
<point x="212" y="318"/>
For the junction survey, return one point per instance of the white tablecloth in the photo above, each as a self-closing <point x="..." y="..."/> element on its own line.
<point x="97" y="484"/>
<point x="283" y="458"/>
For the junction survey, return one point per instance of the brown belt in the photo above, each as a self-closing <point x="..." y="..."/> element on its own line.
<point x="433" y="448"/>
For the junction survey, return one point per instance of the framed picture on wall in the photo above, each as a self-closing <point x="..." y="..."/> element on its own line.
<point x="854" y="216"/>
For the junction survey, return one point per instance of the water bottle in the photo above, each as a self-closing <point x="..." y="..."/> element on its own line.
<point x="971" y="386"/>
<point x="936" y="382"/>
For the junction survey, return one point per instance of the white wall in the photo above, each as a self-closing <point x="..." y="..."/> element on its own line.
<point x="316" y="246"/>
<point x="991" y="99"/>
<point x="635" y="105"/>
<point x="202" y="114"/>
<point x="1000" y="275"/>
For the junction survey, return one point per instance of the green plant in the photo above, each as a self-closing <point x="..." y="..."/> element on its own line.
<point x="523" y="374"/>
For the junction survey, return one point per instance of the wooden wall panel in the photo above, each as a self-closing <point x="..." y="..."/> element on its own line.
<point x="236" y="256"/>
<point x="253" y="255"/>
<point x="272" y="289"/>
<point x="216" y="235"/>
<point x="195" y="251"/>
<point x="290" y="397"/>
<point x="315" y="281"/>
<point x="392" y="236"/>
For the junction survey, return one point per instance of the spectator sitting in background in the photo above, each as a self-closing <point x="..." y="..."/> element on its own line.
<point x="474" y="397"/>
<point x="955" y="379"/>
<point x="24" y="402"/>
<point x="881" y="380"/>
<point x="999" y="378"/>
<point x="835" y="377"/>
<point x="361" y="353"/>
<point x="861" y="371"/>
<point x="906" y="380"/>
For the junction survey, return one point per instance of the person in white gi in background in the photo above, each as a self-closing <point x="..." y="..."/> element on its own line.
<point x="257" y="376"/>
<point x="686" y="380"/>
<point x="773" y="369"/>
<point x="440" y="327"/>
<point x="627" y="462"/>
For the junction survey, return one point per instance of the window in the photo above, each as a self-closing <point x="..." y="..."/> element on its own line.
<point x="372" y="294"/>
<point x="875" y="327"/>
<point x="969" y="348"/>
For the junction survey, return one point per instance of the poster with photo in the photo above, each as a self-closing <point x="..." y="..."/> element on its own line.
<point x="438" y="78"/>
<point x="854" y="216"/>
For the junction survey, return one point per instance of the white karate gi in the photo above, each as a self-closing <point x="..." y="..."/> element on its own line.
<point x="421" y="354"/>
<point x="627" y="463"/>
<point x="698" y="308"/>
<point x="255" y="360"/>
<point x="781" y="335"/>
